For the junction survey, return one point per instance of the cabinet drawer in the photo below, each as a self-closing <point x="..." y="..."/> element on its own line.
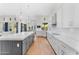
<point x="60" y="47"/>
<point x="67" y="50"/>
<point x="57" y="46"/>
<point x="50" y="39"/>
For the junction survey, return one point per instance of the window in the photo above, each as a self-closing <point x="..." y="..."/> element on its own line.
<point x="6" y="26"/>
<point x="21" y="27"/>
<point x="16" y="27"/>
<point x="25" y="28"/>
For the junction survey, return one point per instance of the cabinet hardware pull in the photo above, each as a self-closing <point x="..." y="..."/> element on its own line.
<point x="18" y="45"/>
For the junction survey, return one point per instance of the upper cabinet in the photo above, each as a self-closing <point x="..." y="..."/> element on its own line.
<point x="59" y="17"/>
<point x="76" y="15"/>
<point x="66" y="16"/>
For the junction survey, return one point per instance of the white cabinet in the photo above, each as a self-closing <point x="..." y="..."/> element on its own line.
<point x="66" y="50"/>
<point x="59" y="18"/>
<point x="68" y="16"/>
<point x="60" y="47"/>
<point x="65" y="16"/>
<point x="54" y="43"/>
<point x="76" y="15"/>
<point x="41" y="33"/>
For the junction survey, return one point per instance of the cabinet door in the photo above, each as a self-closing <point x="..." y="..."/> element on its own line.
<point x="25" y="45"/>
<point x="52" y="42"/>
<point x="0" y="47"/>
<point x="17" y="47"/>
<point x="68" y="50"/>
<point x="57" y="46"/>
<point x="63" y="49"/>
<point x="11" y="47"/>
<point x="68" y="15"/>
<point x="5" y="48"/>
<point x="27" y="42"/>
<point x="50" y="39"/>
<point x="60" y="47"/>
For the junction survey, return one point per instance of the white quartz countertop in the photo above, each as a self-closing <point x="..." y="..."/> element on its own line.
<point x="20" y="36"/>
<point x="68" y="36"/>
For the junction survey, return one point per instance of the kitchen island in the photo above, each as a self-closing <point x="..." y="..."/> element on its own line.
<point x="64" y="41"/>
<point x="16" y="44"/>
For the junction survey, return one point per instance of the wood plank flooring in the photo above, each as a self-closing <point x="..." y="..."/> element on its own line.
<point x="40" y="47"/>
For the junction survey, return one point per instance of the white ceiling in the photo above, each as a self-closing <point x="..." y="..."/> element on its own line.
<point x="28" y="9"/>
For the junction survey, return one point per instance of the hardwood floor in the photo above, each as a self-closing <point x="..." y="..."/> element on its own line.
<point x="40" y="47"/>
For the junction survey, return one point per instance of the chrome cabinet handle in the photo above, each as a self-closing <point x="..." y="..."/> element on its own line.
<point x="63" y="45"/>
<point x="62" y="52"/>
<point x="18" y="45"/>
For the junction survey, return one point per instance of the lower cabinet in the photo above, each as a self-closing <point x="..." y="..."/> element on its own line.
<point x="15" y="47"/>
<point x="67" y="50"/>
<point x="41" y="33"/>
<point x="59" y="47"/>
<point x="27" y="43"/>
<point x="11" y="47"/>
